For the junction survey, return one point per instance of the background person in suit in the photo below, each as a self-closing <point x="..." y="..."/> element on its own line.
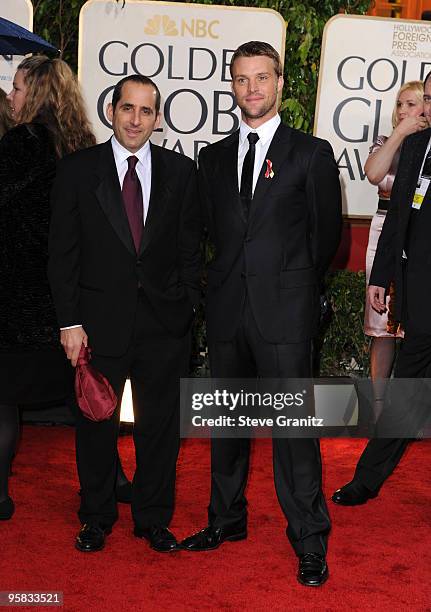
<point x="403" y="254"/>
<point x="273" y="207"/>
<point x="124" y="270"/>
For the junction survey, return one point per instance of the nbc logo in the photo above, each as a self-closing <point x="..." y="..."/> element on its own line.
<point x="162" y="25"/>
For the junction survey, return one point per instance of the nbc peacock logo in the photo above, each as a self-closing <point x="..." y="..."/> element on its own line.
<point x="162" y="25"/>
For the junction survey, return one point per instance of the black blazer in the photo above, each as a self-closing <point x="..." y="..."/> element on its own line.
<point x="280" y="254"/>
<point x="412" y="278"/>
<point x="94" y="269"/>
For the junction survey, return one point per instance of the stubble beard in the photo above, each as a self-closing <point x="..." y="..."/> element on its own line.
<point x="261" y="112"/>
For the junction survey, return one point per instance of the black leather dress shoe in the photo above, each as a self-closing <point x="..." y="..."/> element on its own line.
<point x="91" y="538"/>
<point x="211" y="538"/>
<point x="353" y="494"/>
<point x="7" y="508"/>
<point x="160" y="538"/>
<point x="313" y="569"/>
<point x="123" y="493"/>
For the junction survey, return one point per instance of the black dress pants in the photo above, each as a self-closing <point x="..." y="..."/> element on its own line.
<point x="154" y="361"/>
<point x="296" y="462"/>
<point x="382" y="455"/>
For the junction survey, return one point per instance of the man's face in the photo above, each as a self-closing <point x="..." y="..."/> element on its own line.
<point x="427" y="101"/>
<point x="134" y="118"/>
<point x="256" y="87"/>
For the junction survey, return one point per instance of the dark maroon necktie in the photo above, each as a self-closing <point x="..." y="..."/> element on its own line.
<point x="133" y="201"/>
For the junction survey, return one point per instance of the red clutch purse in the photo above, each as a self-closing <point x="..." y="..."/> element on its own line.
<point x="94" y="394"/>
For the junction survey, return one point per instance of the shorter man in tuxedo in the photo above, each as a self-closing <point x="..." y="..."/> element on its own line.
<point x="273" y="208"/>
<point x="403" y="255"/>
<point x="125" y="270"/>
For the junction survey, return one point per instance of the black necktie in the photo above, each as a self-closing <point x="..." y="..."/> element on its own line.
<point x="246" y="190"/>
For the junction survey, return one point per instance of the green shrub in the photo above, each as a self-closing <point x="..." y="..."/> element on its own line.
<point x="342" y="346"/>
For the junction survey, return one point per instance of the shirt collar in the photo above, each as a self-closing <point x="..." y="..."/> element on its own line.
<point x="121" y="154"/>
<point x="265" y="131"/>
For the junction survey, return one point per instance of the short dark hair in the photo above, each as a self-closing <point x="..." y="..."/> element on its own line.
<point x="428" y="76"/>
<point x="135" y="78"/>
<point x="258" y="47"/>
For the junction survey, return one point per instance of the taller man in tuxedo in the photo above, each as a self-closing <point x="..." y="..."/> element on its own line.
<point x="124" y="270"/>
<point x="403" y="255"/>
<point x="273" y="208"/>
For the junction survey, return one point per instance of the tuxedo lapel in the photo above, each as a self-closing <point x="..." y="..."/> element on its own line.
<point x="410" y="171"/>
<point x="419" y="146"/>
<point x="278" y="150"/>
<point x="159" y="193"/>
<point x="229" y="171"/>
<point x="108" y="193"/>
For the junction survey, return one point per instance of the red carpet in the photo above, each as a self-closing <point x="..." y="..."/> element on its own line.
<point x="379" y="555"/>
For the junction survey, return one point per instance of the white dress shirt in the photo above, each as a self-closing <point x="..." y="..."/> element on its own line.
<point x="266" y="133"/>
<point x="143" y="170"/>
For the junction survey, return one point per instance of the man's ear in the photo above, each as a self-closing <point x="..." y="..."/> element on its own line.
<point x="280" y="83"/>
<point x="110" y="112"/>
<point x="158" y="121"/>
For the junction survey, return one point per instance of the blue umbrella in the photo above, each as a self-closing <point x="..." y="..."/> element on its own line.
<point x="15" y="40"/>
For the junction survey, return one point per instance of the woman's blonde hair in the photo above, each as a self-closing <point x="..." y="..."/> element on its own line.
<point x="416" y="87"/>
<point x="6" y="121"/>
<point x="54" y="99"/>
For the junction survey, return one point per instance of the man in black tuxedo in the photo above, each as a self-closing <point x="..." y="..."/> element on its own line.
<point x="125" y="270"/>
<point x="273" y="208"/>
<point x="403" y="254"/>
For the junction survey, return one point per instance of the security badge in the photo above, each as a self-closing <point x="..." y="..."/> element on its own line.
<point x="421" y="189"/>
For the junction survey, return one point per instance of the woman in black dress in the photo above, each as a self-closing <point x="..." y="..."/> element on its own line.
<point x="50" y="118"/>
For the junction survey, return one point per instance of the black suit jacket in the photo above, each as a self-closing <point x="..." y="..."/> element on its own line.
<point x="94" y="269"/>
<point x="279" y="255"/>
<point x="412" y="278"/>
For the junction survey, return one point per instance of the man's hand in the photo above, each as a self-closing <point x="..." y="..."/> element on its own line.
<point x="72" y="340"/>
<point x="377" y="299"/>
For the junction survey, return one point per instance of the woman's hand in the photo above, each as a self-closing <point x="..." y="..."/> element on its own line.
<point x="410" y="125"/>
<point x="377" y="298"/>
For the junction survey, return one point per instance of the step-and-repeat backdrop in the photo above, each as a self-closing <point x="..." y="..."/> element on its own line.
<point x="364" y="62"/>
<point x="185" y="48"/>
<point x="20" y="12"/>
